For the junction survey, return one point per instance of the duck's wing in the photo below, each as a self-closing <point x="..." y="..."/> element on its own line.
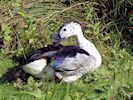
<point x="71" y="62"/>
<point x="45" y="52"/>
<point x="65" y="59"/>
<point x="69" y="51"/>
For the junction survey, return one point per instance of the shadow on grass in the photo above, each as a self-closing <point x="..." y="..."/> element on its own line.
<point x="12" y="74"/>
<point x="16" y="72"/>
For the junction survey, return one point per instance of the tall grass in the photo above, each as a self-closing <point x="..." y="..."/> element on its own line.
<point x="27" y="25"/>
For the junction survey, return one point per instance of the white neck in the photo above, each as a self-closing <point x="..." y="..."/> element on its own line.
<point x="89" y="47"/>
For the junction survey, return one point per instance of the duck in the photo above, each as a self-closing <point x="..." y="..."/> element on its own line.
<point x="72" y="62"/>
<point x="67" y="63"/>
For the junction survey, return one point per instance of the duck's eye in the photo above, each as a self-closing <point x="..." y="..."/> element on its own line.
<point x="64" y="29"/>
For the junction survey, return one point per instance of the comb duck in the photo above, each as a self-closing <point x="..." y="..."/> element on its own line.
<point x="67" y="63"/>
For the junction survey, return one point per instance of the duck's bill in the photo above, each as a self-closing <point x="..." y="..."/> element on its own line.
<point x="56" y="38"/>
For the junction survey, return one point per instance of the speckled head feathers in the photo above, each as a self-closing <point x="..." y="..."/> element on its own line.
<point x="67" y="30"/>
<point x="70" y="29"/>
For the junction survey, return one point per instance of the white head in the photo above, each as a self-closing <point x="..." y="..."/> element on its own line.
<point x="70" y="29"/>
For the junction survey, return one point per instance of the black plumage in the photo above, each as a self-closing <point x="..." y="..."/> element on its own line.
<point x="69" y="51"/>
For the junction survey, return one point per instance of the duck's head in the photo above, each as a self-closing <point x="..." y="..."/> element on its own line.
<point x="67" y="30"/>
<point x="70" y="29"/>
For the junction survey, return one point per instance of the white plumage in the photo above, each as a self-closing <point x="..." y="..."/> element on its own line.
<point x="35" y="67"/>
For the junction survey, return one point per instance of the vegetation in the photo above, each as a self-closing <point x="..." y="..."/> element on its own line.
<point x="26" y="25"/>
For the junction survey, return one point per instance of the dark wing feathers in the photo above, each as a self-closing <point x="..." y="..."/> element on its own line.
<point x="63" y="53"/>
<point x="45" y="52"/>
<point x="58" y="52"/>
<point x="69" y="51"/>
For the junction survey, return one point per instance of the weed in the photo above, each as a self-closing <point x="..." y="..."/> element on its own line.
<point x="27" y="25"/>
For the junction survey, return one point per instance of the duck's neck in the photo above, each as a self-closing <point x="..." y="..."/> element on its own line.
<point x="89" y="47"/>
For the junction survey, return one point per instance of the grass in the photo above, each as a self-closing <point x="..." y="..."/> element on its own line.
<point x="26" y="26"/>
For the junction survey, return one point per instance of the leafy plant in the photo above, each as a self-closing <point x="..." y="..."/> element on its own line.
<point x="27" y="25"/>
